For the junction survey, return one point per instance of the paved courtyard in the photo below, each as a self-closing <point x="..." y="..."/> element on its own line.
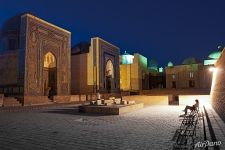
<point x="64" y="128"/>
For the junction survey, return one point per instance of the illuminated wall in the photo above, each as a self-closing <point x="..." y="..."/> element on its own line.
<point x="89" y="69"/>
<point x="133" y="75"/>
<point x="190" y="99"/>
<point x="127" y="59"/>
<point x="218" y="87"/>
<point x="180" y="74"/>
<point x="125" y="77"/>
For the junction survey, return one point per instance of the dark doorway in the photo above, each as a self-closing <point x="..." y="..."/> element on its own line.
<point x="191" y="83"/>
<point x="52" y="78"/>
<point x="173" y="100"/>
<point x="108" y="83"/>
<point x="174" y="84"/>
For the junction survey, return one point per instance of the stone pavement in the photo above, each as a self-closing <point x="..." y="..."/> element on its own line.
<point x="218" y="128"/>
<point x="150" y="128"/>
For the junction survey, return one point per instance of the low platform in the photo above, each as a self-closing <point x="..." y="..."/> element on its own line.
<point x="111" y="109"/>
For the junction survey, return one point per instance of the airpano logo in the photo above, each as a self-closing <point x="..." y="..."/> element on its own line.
<point x="207" y="144"/>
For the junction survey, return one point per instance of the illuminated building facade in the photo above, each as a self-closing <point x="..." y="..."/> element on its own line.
<point x="191" y="74"/>
<point x="137" y="73"/>
<point x="217" y="90"/>
<point x="133" y="72"/>
<point x="95" y="67"/>
<point x="34" y="60"/>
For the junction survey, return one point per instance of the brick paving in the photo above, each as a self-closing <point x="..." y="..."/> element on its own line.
<point x="218" y="127"/>
<point x="64" y="128"/>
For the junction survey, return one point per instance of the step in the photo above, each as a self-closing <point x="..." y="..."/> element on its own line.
<point x="11" y="101"/>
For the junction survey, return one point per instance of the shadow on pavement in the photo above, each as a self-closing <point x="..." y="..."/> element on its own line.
<point x="71" y="111"/>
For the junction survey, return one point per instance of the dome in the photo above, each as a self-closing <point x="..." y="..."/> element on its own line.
<point x="125" y="53"/>
<point x="170" y="64"/>
<point x="189" y="61"/>
<point x="127" y="58"/>
<point x="214" y="55"/>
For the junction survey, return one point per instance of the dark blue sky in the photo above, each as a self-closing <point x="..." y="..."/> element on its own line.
<point x="165" y="30"/>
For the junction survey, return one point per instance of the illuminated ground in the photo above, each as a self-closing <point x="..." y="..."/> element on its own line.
<point x="64" y="128"/>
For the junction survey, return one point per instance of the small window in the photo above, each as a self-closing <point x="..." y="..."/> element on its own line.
<point x="191" y="75"/>
<point x="173" y="76"/>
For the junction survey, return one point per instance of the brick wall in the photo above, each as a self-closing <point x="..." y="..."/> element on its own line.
<point x="201" y="76"/>
<point x="79" y="74"/>
<point x="8" y="68"/>
<point x="218" y="87"/>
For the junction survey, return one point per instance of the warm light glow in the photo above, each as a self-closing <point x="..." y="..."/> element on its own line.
<point x="190" y="100"/>
<point x="49" y="60"/>
<point x="212" y="69"/>
<point x="215" y="71"/>
<point x="109" y="68"/>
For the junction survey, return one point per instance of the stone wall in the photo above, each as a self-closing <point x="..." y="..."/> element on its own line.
<point x="190" y="99"/>
<point x="104" y="52"/>
<point x="164" y="99"/>
<point x="218" y="87"/>
<point x="148" y="100"/>
<point x="42" y="37"/>
<point x="134" y="76"/>
<point x="79" y="74"/>
<point x="82" y="97"/>
<point x="202" y="77"/>
<point x="35" y="100"/>
<point x="189" y="91"/>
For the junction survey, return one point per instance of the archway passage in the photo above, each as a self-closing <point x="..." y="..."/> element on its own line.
<point x="50" y="75"/>
<point x="109" y="75"/>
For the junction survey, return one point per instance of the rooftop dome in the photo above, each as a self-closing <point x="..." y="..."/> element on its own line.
<point x="127" y="58"/>
<point x="214" y="55"/>
<point x="170" y="64"/>
<point x="189" y="61"/>
<point x="125" y="53"/>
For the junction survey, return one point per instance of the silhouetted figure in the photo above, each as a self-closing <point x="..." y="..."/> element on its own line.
<point x="192" y="108"/>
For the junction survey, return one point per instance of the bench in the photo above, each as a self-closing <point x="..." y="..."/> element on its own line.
<point x="186" y="133"/>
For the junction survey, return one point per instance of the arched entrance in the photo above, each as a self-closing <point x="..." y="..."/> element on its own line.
<point x="50" y="75"/>
<point x="109" y="74"/>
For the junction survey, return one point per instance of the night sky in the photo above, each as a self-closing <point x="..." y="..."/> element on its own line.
<point x="164" y="30"/>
